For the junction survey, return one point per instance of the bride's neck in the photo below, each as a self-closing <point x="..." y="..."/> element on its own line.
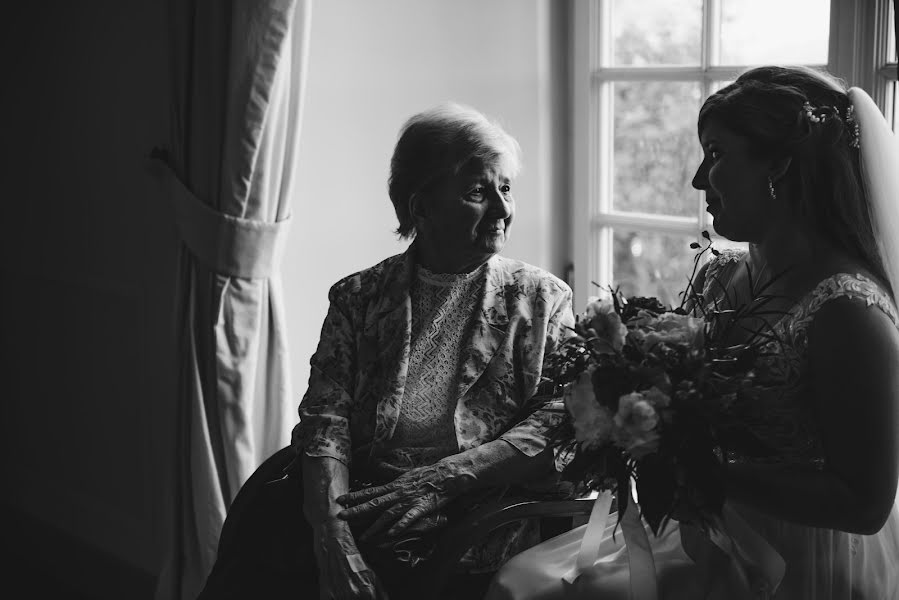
<point x="789" y="247"/>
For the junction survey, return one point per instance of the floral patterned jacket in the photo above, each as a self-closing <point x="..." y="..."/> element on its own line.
<point x="359" y="369"/>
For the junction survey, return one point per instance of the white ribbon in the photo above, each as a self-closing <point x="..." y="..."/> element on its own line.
<point x="757" y="565"/>
<point x="641" y="565"/>
<point x="589" y="551"/>
<point x="643" y="585"/>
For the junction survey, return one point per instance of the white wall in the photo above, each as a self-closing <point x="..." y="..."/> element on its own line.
<point x="372" y="65"/>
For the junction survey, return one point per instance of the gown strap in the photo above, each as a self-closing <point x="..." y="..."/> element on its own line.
<point x="854" y="286"/>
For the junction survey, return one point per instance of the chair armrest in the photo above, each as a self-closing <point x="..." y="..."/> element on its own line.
<point x="476" y="526"/>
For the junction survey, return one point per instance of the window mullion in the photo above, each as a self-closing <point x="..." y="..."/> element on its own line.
<point x="710" y="59"/>
<point x="647" y="222"/>
<point x="584" y="26"/>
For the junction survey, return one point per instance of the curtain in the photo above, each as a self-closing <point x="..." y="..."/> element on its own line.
<point x="238" y="72"/>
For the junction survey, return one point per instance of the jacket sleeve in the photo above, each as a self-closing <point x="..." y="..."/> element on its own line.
<point x="531" y="434"/>
<point x="324" y="427"/>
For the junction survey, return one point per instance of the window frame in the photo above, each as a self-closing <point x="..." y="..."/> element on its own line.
<point x="854" y="24"/>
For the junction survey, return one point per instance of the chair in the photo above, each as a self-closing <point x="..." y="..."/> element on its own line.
<point x="271" y="469"/>
<point x="454" y="542"/>
<point x="476" y="526"/>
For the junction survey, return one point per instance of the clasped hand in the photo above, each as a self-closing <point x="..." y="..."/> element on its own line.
<point x="414" y="498"/>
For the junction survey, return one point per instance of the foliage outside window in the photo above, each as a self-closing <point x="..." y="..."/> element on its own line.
<point x="641" y="72"/>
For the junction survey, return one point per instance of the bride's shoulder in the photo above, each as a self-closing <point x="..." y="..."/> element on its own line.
<point x="718" y="266"/>
<point x="854" y="284"/>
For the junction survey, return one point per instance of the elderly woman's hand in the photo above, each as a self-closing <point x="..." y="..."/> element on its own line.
<point x="342" y="574"/>
<point x="414" y="498"/>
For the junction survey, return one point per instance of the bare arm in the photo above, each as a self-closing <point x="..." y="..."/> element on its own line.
<point x="852" y="359"/>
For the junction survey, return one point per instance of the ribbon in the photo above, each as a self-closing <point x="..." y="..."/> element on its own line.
<point x="596" y="526"/>
<point x="641" y="565"/>
<point x="756" y="566"/>
<point x="643" y="585"/>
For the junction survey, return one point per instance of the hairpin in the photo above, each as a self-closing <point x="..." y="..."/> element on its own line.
<point x="852" y="123"/>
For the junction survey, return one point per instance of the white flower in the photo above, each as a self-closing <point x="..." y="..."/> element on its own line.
<point x="592" y="421"/>
<point x="600" y="316"/>
<point x="636" y="422"/>
<point x="671" y="329"/>
<point x="656" y="397"/>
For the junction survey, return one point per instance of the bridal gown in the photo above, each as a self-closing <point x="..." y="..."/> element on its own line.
<point x="820" y="564"/>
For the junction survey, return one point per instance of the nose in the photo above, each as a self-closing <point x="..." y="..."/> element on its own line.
<point x="501" y="206"/>
<point x="701" y="177"/>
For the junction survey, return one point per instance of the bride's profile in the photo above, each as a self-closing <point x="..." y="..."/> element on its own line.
<point x="805" y="171"/>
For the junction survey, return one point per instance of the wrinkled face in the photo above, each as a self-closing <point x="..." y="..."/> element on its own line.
<point x="465" y="219"/>
<point x="735" y="183"/>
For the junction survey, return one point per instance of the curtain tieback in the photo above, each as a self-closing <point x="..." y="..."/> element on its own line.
<point x="228" y="245"/>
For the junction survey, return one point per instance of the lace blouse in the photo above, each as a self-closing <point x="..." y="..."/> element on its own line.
<point x="442" y="306"/>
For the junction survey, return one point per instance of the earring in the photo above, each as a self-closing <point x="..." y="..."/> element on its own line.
<point x="771" y="189"/>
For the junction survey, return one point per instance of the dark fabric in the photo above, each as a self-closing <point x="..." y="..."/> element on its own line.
<point x="265" y="550"/>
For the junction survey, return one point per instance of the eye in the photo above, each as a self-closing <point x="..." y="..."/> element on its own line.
<point x="506" y="189"/>
<point x="476" y="194"/>
<point x="714" y="153"/>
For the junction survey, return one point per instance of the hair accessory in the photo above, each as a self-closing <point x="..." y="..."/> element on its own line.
<point x="812" y="115"/>
<point x="852" y="123"/>
<point x="820" y="115"/>
<point x="771" y="188"/>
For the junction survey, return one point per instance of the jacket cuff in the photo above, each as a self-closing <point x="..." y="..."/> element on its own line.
<point x="322" y="437"/>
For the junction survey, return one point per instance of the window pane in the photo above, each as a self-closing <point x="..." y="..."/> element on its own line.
<point x="656" y="32"/>
<point x="892" y="55"/>
<point x="652" y="264"/>
<point x="774" y="31"/>
<point x="892" y="105"/>
<point x="717" y="85"/>
<point x="656" y="150"/>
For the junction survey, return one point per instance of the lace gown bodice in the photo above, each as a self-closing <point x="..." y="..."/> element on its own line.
<point x="821" y="563"/>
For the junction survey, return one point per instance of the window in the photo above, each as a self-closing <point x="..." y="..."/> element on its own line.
<point x="888" y="73"/>
<point x="640" y="73"/>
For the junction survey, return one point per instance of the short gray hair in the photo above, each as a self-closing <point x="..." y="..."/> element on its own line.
<point x="440" y="142"/>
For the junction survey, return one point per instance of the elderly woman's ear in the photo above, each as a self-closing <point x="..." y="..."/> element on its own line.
<point x="418" y="210"/>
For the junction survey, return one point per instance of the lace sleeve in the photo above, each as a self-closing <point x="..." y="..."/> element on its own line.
<point x="720" y="270"/>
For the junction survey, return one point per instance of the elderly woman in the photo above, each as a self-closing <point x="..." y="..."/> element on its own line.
<point x="418" y="403"/>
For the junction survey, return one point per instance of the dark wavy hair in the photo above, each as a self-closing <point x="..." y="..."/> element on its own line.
<point x="766" y="106"/>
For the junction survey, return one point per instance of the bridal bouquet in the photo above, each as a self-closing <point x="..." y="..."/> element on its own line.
<point x="647" y="387"/>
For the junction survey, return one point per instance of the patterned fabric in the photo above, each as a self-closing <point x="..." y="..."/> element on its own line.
<point x="359" y="370"/>
<point x="359" y="373"/>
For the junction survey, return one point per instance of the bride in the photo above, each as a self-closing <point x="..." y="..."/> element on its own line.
<point x="801" y="169"/>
